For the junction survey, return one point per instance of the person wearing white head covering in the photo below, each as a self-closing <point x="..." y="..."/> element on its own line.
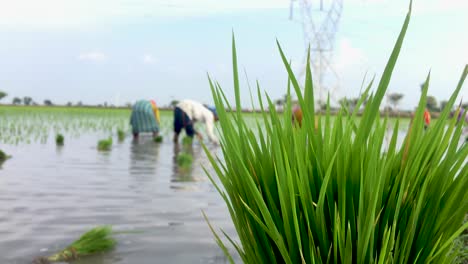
<point x="187" y="112"/>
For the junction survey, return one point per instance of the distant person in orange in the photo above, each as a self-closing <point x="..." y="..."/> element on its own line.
<point x="427" y="118"/>
<point x="297" y="115"/>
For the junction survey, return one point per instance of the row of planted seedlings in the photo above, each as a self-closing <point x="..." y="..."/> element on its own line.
<point x="41" y="131"/>
<point x="41" y="134"/>
<point x="23" y="125"/>
<point x="98" y="239"/>
<point x="32" y="124"/>
<point x="333" y="191"/>
<point x="102" y="145"/>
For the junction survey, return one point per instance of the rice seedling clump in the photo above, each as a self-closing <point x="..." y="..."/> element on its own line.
<point x="120" y="135"/>
<point x="96" y="240"/>
<point x="158" y="139"/>
<point x="187" y="141"/>
<point x="59" y="140"/>
<point x="3" y="156"/>
<point x="105" y="144"/>
<point x="184" y="160"/>
<point x="341" y="193"/>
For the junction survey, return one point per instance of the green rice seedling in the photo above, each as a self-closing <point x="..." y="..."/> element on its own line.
<point x="96" y="240"/>
<point x="187" y="141"/>
<point x="120" y="135"/>
<point x="336" y="193"/>
<point x="3" y="156"/>
<point x="184" y="160"/>
<point x="158" y="139"/>
<point x="59" y="140"/>
<point x="105" y="144"/>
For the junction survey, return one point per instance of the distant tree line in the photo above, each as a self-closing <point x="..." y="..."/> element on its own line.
<point x="393" y="99"/>
<point x="393" y="102"/>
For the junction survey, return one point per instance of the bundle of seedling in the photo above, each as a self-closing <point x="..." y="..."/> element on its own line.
<point x="187" y="141"/>
<point x="3" y="156"/>
<point x="339" y="193"/>
<point x="158" y="139"/>
<point x="120" y="135"/>
<point x="59" y="140"/>
<point x="97" y="240"/>
<point x="105" y="144"/>
<point x="184" y="160"/>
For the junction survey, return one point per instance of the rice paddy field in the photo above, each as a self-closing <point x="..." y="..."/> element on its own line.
<point x="50" y="194"/>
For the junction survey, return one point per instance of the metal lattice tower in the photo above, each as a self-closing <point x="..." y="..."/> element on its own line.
<point x="319" y="21"/>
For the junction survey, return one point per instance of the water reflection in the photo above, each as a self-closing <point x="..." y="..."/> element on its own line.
<point x="182" y="174"/>
<point x="144" y="154"/>
<point x="193" y="177"/>
<point x="134" y="186"/>
<point x="59" y="150"/>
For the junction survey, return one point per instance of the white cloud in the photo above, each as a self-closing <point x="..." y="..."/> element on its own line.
<point x="148" y="59"/>
<point x="93" y="56"/>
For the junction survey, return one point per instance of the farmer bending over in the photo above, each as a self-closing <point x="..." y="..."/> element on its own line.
<point x="187" y="112"/>
<point x="145" y="118"/>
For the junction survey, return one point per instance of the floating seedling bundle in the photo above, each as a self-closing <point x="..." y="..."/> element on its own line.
<point x="96" y="240"/>
<point x="338" y="193"/>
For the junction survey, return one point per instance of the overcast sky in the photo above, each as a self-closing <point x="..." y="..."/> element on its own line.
<point x="118" y="51"/>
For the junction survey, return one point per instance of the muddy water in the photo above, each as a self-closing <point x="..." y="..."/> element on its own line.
<point x="50" y="195"/>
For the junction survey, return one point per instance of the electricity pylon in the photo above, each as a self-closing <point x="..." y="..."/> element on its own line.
<point x="320" y="21"/>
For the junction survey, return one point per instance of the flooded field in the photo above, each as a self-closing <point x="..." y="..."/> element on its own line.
<point x="49" y="195"/>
